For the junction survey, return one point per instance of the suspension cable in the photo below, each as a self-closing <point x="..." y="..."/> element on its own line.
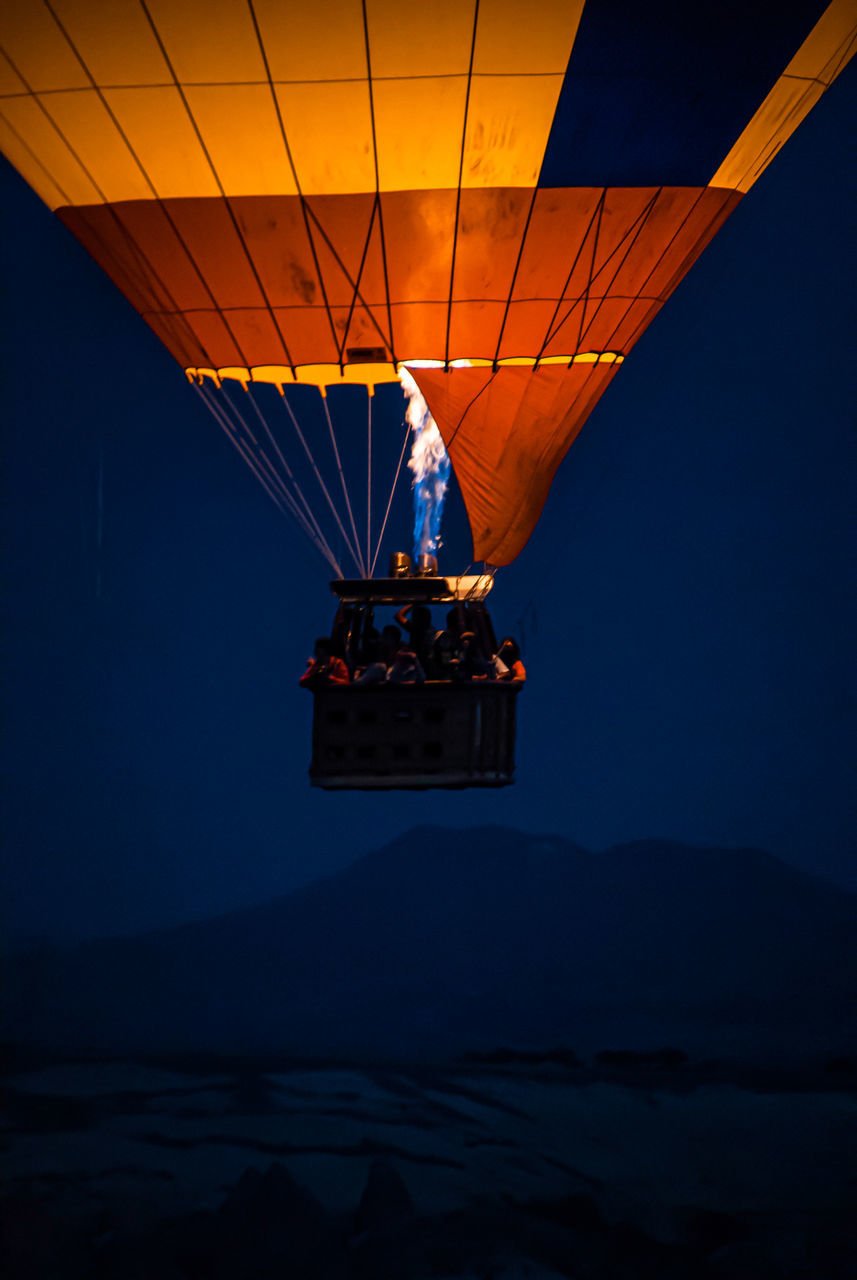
<point x="232" y="431"/>
<point x="369" y="480"/>
<point x="281" y="497"/>
<point x="254" y="462"/>
<point x="226" y="406"/>
<point x="310" y="515"/>
<point x="363" y="568"/>
<point x="318" y="477"/>
<point x="390" y="499"/>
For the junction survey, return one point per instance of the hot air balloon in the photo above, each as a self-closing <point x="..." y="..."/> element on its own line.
<point x="497" y="196"/>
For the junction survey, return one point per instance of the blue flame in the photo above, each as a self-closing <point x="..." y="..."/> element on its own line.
<point x="429" y="463"/>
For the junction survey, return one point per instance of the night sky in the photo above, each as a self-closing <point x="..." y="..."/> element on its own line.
<point x="684" y="603"/>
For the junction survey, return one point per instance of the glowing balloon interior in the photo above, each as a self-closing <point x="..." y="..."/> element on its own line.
<point x="499" y="195"/>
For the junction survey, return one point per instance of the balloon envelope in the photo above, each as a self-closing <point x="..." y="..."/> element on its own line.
<point x="500" y="194"/>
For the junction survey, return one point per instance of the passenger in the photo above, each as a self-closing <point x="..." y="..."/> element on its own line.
<point x="369" y="637"/>
<point x="478" y="621"/>
<point x="405" y="668"/>
<point x="370" y="644"/>
<point x="391" y="641"/>
<point x="445" y="649"/>
<point x="507" y="662"/>
<point x="375" y="670"/>
<point x="444" y="656"/>
<point x="324" y="668"/>
<point x="341" y="630"/>
<point x="421" y="630"/>
<point x="469" y="663"/>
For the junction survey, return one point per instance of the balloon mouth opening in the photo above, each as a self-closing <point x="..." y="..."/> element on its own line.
<point x="370" y="373"/>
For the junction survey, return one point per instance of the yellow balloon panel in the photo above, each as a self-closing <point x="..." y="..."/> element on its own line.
<point x="220" y="159"/>
<point x="18" y="155"/>
<point x="322" y="40"/>
<point x="209" y="41"/>
<point x="782" y="111"/>
<point x="508" y="122"/>
<point x="243" y="139"/>
<point x="434" y="40"/>
<point x="329" y="130"/>
<point x="10" y="81"/>
<point x="114" y="40"/>
<point x="511" y="40"/>
<point x="828" y="46"/>
<point x="419" y="132"/>
<point x="161" y="134"/>
<point x="85" y="122"/>
<point x="38" y="49"/>
<point x="818" y="61"/>
<point x="44" y="151"/>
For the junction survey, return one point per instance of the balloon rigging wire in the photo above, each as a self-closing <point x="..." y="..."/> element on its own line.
<point x="278" y="494"/>
<point x="310" y="515"/>
<point x="230" y="431"/>
<point x="147" y="178"/>
<point x="390" y="499"/>
<point x="460" y="177"/>
<point x="551" y="332"/>
<point x="658" y="301"/>
<point x="378" y="204"/>
<point x="180" y="88"/>
<point x="143" y="265"/>
<point x="356" y="552"/>
<point x="514" y="279"/>
<point x="631" y="235"/>
<point x="590" y="280"/>
<point x="260" y="454"/>
<point x="305" y="209"/>
<point x="369" y="480"/>
<point x="318" y="477"/>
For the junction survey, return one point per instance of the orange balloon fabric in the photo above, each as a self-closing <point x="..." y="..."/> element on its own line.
<point x="276" y="280"/>
<point x="506" y="431"/>
<point x="293" y="192"/>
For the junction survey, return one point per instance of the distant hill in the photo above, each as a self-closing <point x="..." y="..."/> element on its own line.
<point x="445" y="940"/>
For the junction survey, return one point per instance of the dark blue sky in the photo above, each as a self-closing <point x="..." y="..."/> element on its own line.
<point x="689" y="615"/>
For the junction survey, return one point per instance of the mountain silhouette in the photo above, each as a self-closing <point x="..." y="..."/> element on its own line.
<point x="453" y="939"/>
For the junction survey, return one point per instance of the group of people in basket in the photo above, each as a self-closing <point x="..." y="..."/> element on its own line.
<point x="356" y="653"/>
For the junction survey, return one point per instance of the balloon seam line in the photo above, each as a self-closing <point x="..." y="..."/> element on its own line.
<point x="515" y="275"/>
<point x="146" y="177"/>
<point x="551" y="332"/>
<point x="470" y="405"/>
<point x="393" y="356"/>
<point x="84" y="169"/>
<point x="460" y="176"/>
<point x="224" y="197"/>
<point x="385" y="338"/>
<point x="641" y="220"/>
<point x="356" y="284"/>
<point x="657" y="302"/>
<point x="305" y="210"/>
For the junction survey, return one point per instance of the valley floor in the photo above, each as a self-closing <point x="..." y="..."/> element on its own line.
<point x="475" y="1169"/>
